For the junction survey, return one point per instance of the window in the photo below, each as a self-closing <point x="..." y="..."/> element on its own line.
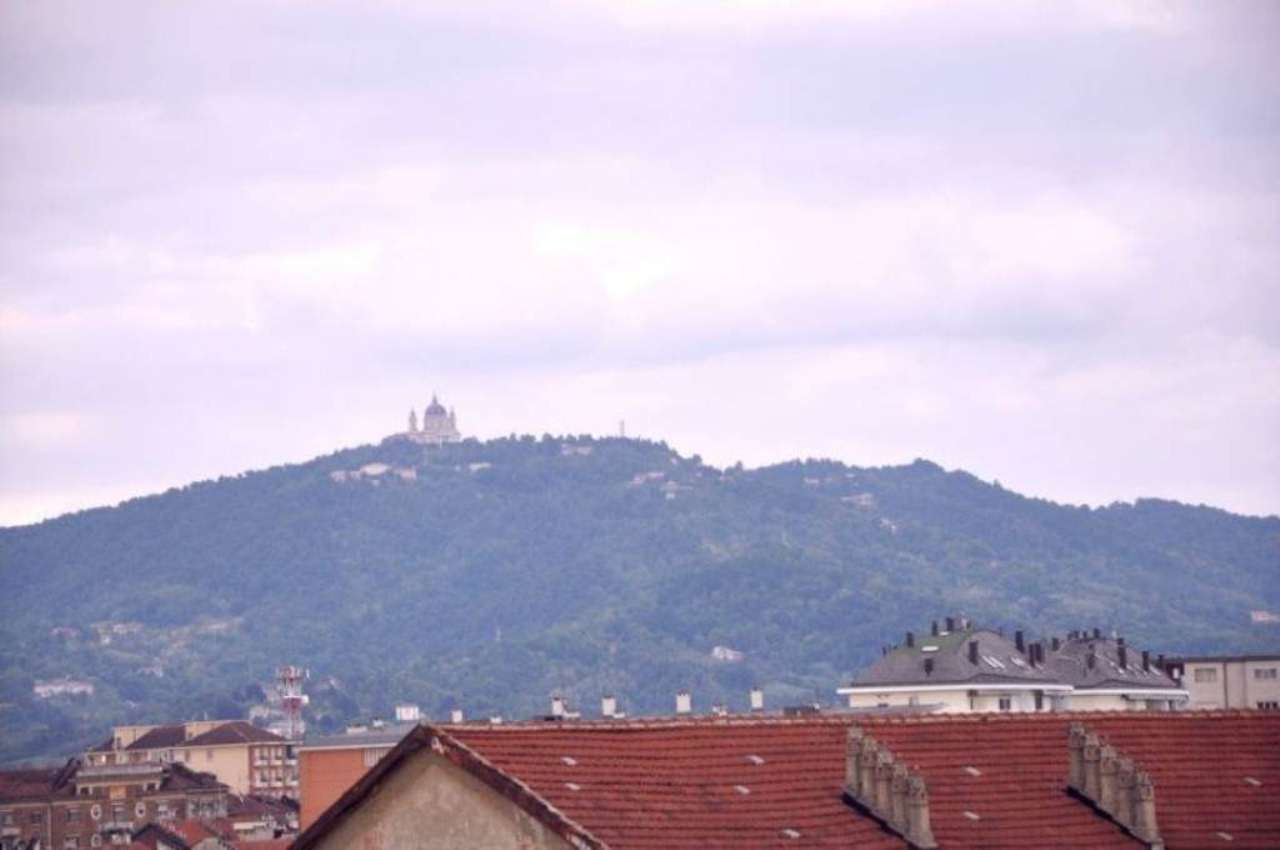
<point x="1269" y="705"/>
<point x="1006" y="703"/>
<point x="37" y="818"/>
<point x="70" y="843"/>
<point x="1264" y="673"/>
<point x="1039" y="700"/>
<point x="1206" y="675"/>
<point x="73" y="815"/>
<point x="6" y="818"/>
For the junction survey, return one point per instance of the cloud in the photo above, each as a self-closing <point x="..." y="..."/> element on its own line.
<point x="236" y="234"/>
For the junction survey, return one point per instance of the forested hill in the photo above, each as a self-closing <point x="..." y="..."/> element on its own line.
<point x="488" y="575"/>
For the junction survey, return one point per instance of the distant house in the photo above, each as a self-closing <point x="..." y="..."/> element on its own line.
<point x="329" y="764"/>
<point x="958" y="668"/>
<point x="248" y="759"/>
<point x="1180" y="781"/>
<point x="1235" y="681"/>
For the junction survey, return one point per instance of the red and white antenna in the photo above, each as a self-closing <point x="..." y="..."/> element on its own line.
<point x="289" y="681"/>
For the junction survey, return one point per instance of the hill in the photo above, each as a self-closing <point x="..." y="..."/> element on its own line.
<point x="488" y="575"/>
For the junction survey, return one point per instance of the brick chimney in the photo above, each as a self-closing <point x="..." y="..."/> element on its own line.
<point x="1113" y="783"/>
<point x="884" y="787"/>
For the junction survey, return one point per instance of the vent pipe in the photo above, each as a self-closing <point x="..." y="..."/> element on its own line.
<point x="684" y="702"/>
<point x="757" y="699"/>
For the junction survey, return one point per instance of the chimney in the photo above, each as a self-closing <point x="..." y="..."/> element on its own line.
<point x="1090" y="659"/>
<point x="757" y="699"/>
<point x="1019" y="642"/>
<point x="719" y="709"/>
<point x="951" y="624"/>
<point x="609" y="705"/>
<point x="1054" y="643"/>
<point x="893" y="794"/>
<point x="1112" y="783"/>
<point x="455" y="716"/>
<point x="1122" y="652"/>
<point x="911" y="639"/>
<point x="973" y="652"/>
<point x="1034" y="654"/>
<point x="1160" y="663"/>
<point x="1146" y="661"/>
<point x="934" y="628"/>
<point x="928" y="666"/>
<point x="1097" y="633"/>
<point x="557" y="707"/>
<point x="684" y="702"/>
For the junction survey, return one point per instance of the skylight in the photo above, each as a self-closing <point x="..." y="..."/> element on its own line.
<point x="929" y="647"/>
<point x="742" y="789"/>
<point x="1256" y="783"/>
<point x="755" y="759"/>
<point x="791" y="833"/>
<point x="573" y="786"/>
<point x="972" y="815"/>
<point x="972" y="771"/>
<point x="569" y="760"/>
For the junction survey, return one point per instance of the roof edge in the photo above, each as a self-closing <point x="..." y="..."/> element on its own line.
<point x="445" y="745"/>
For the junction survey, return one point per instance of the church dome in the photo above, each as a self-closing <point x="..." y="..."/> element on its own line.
<point x="436" y="408"/>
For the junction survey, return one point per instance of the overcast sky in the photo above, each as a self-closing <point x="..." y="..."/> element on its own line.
<point x="1035" y="241"/>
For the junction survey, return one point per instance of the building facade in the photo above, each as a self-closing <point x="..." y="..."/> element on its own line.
<point x="81" y="805"/>
<point x="1242" y="681"/>
<point x="330" y="764"/>
<point x="246" y="758"/>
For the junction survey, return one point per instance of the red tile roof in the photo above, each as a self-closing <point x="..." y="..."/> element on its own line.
<point x="994" y="781"/>
<point x="1018" y="797"/>
<point x="689" y="784"/>
<point x="26" y="784"/>
<point x="1213" y="773"/>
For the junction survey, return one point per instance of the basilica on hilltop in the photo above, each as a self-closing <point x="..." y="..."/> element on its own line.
<point x="439" y="426"/>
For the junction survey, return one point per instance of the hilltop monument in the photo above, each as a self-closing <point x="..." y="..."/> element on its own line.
<point x="439" y="426"/>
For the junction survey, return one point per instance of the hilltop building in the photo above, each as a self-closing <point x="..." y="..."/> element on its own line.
<point x="249" y="760"/>
<point x="1222" y="681"/>
<point x="1174" y="781"/>
<point x="438" y="426"/>
<point x="958" y="668"/>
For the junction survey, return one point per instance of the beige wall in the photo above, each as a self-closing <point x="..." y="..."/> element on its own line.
<point x="950" y="702"/>
<point x="1234" y="684"/>
<point x="229" y="763"/>
<point x="429" y="804"/>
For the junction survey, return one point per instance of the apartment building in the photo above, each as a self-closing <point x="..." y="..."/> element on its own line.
<point x="1239" y="681"/>
<point x="248" y="759"/>
<point x="958" y="668"/>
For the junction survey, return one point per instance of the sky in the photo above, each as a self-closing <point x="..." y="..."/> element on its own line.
<point x="1036" y="241"/>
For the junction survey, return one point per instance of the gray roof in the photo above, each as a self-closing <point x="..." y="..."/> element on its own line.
<point x="1070" y="664"/>
<point x="388" y="735"/>
<point x="999" y="661"/>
